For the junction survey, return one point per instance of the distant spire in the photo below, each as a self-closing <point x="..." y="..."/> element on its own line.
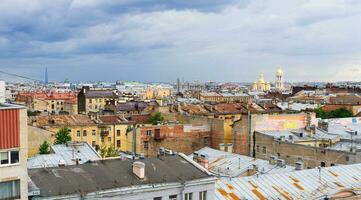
<point x="46" y="76"/>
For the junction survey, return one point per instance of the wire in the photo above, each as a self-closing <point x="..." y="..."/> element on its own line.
<point x="19" y="76"/>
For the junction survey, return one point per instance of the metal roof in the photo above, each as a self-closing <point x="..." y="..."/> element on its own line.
<point x="303" y="184"/>
<point x="67" y="153"/>
<point x="114" y="173"/>
<point x="227" y="164"/>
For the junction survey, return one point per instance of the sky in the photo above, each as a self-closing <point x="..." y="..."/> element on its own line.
<point x="161" y="40"/>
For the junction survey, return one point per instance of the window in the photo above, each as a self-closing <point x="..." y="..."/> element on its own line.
<point x="94" y="143"/>
<point x="264" y="150"/>
<point x="188" y="196"/>
<point x="203" y="195"/>
<point x="78" y="133"/>
<point x="9" y="157"/>
<point x="14" y="157"/>
<point x="94" y="132"/>
<point x="257" y="148"/>
<point x="146" y="145"/>
<point x="84" y="133"/>
<point x="90" y="100"/>
<point x="4" y="158"/>
<point x="118" y="132"/>
<point x="173" y="197"/>
<point x="10" y="189"/>
<point x="118" y="143"/>
<point x="157" y="198"/>
<point x="149" y="132"/>
<point x="109" y="139"/>
<point x="347" y="158"/>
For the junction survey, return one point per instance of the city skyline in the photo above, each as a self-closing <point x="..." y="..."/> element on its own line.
<point x="232" y="41"/>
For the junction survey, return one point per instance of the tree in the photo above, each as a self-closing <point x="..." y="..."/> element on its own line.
<point x="338" y="113"/>
<point x="156" y="118"/>
<point x="62" y="136"/>
<point x="44" y="148"/>
<point x="108" y="151"/>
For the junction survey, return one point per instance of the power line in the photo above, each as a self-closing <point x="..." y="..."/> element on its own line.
<point x="19" y="76"/>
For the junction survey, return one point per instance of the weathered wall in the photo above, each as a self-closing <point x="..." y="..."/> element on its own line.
<point x="36" y="137"/>
<point x="243" y="135"/>
<point x="291" y="153"/>
<point x="175" y="137"/>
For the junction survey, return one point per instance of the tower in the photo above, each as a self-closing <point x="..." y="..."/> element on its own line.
<point x="279" y="80"/>
<point x="46" y="76"/>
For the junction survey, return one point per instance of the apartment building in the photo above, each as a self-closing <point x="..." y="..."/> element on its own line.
<point x="13" y="152"/>
<point x="97" y="130"/>
<point x="92" y="101"/>
<point x="49" y="102"/>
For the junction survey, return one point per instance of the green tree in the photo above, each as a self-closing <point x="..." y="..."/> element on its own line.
<point x="156" y="118"/>
<point x="62" y="136"/>
<point x="44" y="148"/>
<point x="337" y="113"/>
<point x="108" y="151"/>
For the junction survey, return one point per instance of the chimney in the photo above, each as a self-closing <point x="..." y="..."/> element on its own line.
<point x="139" y="169"/>
<point x="281" y="163"/>
<point x="230" y="147"/>
<point x="221" y="146"/>
<point x="299" y="165"/>
<point x="273" y="160"/>
<point x="252" y="170"/>
<point x="203" y="160"/>
<point x="195" y="156"/>
<point x="61" y="163"/>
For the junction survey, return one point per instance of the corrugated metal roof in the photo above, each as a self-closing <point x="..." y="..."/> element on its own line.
<point x="234" y="165"/>
<point x="9" y="128"/>
<point x="68" y="153"/>
<point x="304" y="184"/>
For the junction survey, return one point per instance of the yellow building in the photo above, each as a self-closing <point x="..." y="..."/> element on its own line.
<point x="105" y="130"/>
<point x="92" y="101"/>
<point x="157" y="93"/>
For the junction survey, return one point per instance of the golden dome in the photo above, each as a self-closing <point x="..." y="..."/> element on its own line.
<point x="279" y="71"/>
<point x="261" y="79"/>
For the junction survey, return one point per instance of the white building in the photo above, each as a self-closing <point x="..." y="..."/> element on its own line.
<point x="13" y="152"/>
<point x="2" y="91"/>
<point x="279" y="83"/>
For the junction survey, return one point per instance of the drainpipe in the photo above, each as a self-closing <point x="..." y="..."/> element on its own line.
<point x="134" y="144"/>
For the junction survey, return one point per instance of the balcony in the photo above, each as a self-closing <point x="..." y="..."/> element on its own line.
<point x="104" y="133"/>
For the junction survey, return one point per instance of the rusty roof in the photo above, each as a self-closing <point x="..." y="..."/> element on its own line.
<point x="61" y="120"/>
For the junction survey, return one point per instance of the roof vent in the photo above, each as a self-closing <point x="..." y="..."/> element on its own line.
<point x="139" y="169"/>
<point x="281" y="163"/>
<point x="299" y="165"/>
<point x="61" y="163"/>
<point x="273" y="160"/>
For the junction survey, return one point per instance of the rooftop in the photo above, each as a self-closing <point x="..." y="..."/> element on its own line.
<point x="113" y="174"/>
<point x="303" y="184"/>
<point x="234" y="165"/>
<point x="10" y="106"/>
<point x="81" y="151"/>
